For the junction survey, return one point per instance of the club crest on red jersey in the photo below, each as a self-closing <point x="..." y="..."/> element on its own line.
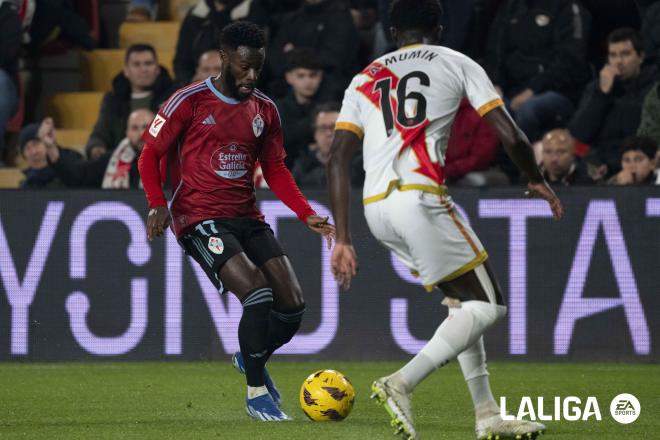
<point x="230" y="161"/>
<point x="258" y="125"/>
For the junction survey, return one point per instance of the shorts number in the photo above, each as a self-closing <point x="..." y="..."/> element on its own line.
<point x="385" y="85"/>
<point x="200" y="228"/>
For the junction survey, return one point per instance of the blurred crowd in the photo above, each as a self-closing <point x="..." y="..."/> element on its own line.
<point x="580" y="77"/>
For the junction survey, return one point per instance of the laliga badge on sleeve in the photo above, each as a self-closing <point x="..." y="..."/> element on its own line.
<point x="156" y="125"/>
<point x="216" y="245"/>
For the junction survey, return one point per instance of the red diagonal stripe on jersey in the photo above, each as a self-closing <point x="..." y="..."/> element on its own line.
<point x="414" y="137"/>
<point x="376" y="72"/>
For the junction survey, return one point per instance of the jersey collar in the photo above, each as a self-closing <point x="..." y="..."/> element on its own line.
<point x="410" y="46"/>
<point x="217" y="93"/>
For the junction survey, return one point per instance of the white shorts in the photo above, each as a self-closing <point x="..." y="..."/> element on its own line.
<point x="427" y="234"/>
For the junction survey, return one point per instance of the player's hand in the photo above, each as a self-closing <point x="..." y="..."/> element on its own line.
<point x="542" y="190"/>
<point x="158" y="221"/>
<point x="344" y="264"/>
<point x="321" y="226"/>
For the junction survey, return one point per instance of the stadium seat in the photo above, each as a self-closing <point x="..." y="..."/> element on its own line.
<point x="162" y="35"/>
<point x="179" y="8"/>
<point x="75" y="109"/>
<point x="10" y="177"/>
<point x="99" y="67"/>
<point x="73" y="138"/>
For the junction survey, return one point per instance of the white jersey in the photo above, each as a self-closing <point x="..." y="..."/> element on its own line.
<point x="403" y="104"/>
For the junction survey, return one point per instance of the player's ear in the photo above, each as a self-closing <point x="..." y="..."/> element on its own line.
<point x="224" y="57"/>
<point x="438" y="32"/>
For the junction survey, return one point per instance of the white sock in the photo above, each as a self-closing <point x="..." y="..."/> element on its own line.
<point x="414" y="371"/>
<point x="473" y="365"/>
<point x="256" y="391"/>
<point x="459" y="331"/>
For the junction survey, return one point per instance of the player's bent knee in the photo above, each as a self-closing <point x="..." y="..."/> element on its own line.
<point x="289" y="299"/>
<point x="486" y="314"/>
<point x="297" y="302"/>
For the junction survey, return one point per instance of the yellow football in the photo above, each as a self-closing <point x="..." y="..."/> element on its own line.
<point x="327" y="395"/>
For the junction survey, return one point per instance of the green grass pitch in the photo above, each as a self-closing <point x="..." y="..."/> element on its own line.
<point x="204" y="400"/>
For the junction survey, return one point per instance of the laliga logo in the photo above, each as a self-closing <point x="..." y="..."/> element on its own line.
<point x="569" y="409"/>
<point x="625" y="409"/>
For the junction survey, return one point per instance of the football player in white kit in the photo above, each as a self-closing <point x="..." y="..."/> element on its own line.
<point x="399" y="109"/>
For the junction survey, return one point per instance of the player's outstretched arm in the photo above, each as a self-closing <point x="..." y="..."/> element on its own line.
<point x="281" y="182"/>
<point x="344" y="260"/>
<point x="518" y="148"/>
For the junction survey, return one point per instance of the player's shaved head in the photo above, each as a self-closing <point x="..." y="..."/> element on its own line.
<point x="421" y="16"/>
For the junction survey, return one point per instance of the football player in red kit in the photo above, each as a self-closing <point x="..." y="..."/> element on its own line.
<point x="218" y="128"/>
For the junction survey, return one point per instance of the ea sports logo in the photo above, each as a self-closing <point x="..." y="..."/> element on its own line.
<point x="625" y="408"/>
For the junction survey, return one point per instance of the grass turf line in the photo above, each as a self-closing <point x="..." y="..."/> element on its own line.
<point x="182" y="400"/>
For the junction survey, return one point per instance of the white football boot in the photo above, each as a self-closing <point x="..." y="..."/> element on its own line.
<point x="396" y="402"/>
<point x="494" y="428"/>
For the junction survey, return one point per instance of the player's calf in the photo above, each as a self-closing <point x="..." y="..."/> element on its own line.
<point x="283" y="326"/>
<point x="253" y="334"/>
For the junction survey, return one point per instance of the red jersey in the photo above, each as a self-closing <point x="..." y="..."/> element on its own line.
<point x="216" y="141"/>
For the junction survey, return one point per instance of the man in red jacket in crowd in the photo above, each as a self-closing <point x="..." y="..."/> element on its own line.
<point x="220" y="127"/>
<point x="471" y="150"/>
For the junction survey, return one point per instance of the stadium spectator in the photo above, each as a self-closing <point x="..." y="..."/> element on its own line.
<point x="34" y="141"/>
<point x="651" y="32"/>
<point x="10" y="36"/>
<point x="637" y="162"/>
<point x="457" y="24"/>
<point x="327" y="27"/>
<point x="471" y="150"/>
<point x="365" y="19"/>
<point x="200" y="31"/>
<point x="650" y="125"/>
<point x="559" y="164"/>
<point x="266" y="13"/>
<point x="305" y="78"/>
<point x="310" y="168"/>
<point x="536" y="58"/>
<point x="142" y="84"/>
<point x="610" y="109"/>
<point x="115" y="169"/>
<point x="53" y="19"/>
<point x="141" y="10"/>
<point x="207" y="65"/>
